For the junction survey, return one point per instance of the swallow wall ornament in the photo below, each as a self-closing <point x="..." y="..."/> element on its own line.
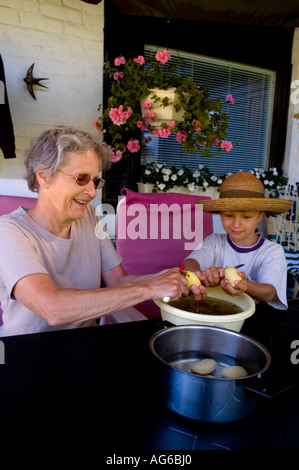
<point x="30" y="80"/>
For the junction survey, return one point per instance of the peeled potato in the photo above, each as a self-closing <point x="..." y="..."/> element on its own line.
<point x="192" y="279"/>
<point x="204" y="367"/>
<point x="231" y="274"/>
<point x="234" y="372"/>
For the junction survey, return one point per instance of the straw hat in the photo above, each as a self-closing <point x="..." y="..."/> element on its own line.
<point x="243" y="191"/>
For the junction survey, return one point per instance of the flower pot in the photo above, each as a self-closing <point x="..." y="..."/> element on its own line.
<point x="164" y="113"/>
<point x="145" y="187"/>
<point x="210" y="191"/>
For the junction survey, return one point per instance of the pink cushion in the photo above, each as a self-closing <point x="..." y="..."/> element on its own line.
<point x="7" y="205"/>
<point x="10" y="203"/>
<point x="143" y="249"/>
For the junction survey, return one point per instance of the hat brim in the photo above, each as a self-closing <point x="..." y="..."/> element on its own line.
<point x="271" y="206"/>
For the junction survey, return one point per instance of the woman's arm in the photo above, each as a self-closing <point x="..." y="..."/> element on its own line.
<point x="62" y="306"/>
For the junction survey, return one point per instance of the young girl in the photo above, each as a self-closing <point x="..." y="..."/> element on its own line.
<point x="241" y="205"/>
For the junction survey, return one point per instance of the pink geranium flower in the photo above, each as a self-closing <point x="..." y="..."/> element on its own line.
<point x="150" y="116"/>
<point x="147" y="104"/>
<point x="119" y="61"/>
<point x="118" y="75"/>
<point x="181" y="136"/>
<point x="163" y="56"/>
<point x="230" y="99"/>
<point x="171" y="124"/>
<point x="164" y="133"/>
<point x="227" y="146"/>
<point x="196" y="125"/>
<point x="115" y="155"/>
<point x="118" y="116"/>
<point x="141" y="125"/>
<point x="140" y="60"/>
<point x="98" y="127"/>
<point x="133" y="145"/>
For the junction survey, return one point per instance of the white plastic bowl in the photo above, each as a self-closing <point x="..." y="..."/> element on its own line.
<point x="231" y="322"/>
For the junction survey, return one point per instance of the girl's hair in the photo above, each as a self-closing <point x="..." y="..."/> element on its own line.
<point x="48" y="151"/>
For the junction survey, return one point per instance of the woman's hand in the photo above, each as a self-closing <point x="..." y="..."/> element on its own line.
<point x="168" y="283"/>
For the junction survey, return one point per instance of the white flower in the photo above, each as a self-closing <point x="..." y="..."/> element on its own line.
<point x="205" y="184"/>
<point x="161" y="186"/>
<point x="196" y="174"/>
<point x="159" y="165"/>
<point x="165" y="178"/>
<point x="180" y="172"/>
<point x="147" y="172"/>
<point x="192" y="187"/>
<point x="200" y="167"/>
<point x="219" y="181"/>
<point x="214" y="178"/>
<point x="174" y="177"/>
<point x="166" y="171"/>
<point x="270" y="183"/>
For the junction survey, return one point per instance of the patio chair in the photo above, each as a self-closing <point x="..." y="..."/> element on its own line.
<point x="156" y="231"/>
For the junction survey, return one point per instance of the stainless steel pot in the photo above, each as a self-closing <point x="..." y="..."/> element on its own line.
<point x="207" y="398"/>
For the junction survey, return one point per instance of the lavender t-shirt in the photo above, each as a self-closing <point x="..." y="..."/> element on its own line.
<point x="27" y="248"/>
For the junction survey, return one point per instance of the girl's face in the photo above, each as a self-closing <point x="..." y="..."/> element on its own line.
<point x="241" y="226"/>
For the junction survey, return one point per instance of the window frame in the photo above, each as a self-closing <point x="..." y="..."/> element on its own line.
<point x="261" y="46"/>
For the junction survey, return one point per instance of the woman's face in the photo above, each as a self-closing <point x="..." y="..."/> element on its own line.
<point x="241" y="226"/>
<point x="68" y="199"/>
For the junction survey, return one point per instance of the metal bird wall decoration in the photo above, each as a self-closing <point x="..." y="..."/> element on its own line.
<point x="30" y="80"/>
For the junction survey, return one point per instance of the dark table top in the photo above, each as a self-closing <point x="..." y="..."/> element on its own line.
<point x="95" y="387"/>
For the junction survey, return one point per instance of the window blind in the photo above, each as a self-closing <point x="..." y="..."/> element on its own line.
<point x="250" y="117"/>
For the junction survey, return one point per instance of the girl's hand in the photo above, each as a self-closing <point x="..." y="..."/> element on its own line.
<point x="211" y="277"/>
<point x="240" y="286"/>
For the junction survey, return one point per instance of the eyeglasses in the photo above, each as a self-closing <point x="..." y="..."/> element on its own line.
<point x="83" y="179"/>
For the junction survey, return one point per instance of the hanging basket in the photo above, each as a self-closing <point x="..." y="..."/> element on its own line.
<point x="164" y="113"/>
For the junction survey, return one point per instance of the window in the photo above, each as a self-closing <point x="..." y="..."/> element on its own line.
<point x="250" y="117"/>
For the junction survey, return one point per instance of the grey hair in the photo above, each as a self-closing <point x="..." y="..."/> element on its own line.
<point x="48" y="150"/>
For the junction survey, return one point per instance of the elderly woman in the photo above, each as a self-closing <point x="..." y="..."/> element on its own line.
<point x="52" y="261"/>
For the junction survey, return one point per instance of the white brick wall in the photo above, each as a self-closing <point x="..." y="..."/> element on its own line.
<point x="64" y="38"/>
